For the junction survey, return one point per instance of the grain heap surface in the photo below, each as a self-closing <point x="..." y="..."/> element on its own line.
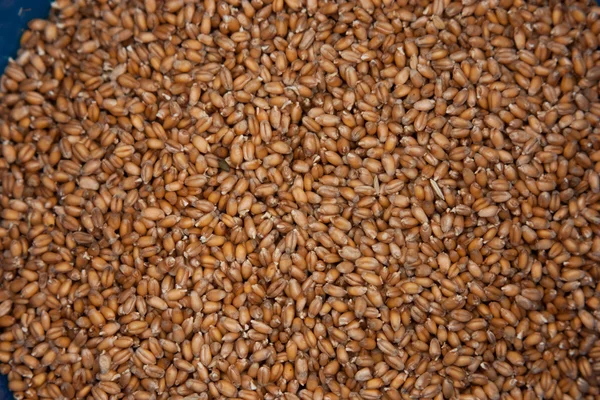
<point x="302" y="199"/>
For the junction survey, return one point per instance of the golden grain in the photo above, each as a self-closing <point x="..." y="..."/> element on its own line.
<point x="317" y="200"/>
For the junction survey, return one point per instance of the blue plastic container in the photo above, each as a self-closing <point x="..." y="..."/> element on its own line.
<point x="14" y="16"/>
<point x="4" y="392"/>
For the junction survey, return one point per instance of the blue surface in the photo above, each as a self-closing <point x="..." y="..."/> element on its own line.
<point x="4" y="393"/>
<point x="14" y="15"/>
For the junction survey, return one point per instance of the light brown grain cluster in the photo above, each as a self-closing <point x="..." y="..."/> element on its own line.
<point x="302" y="199"/>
